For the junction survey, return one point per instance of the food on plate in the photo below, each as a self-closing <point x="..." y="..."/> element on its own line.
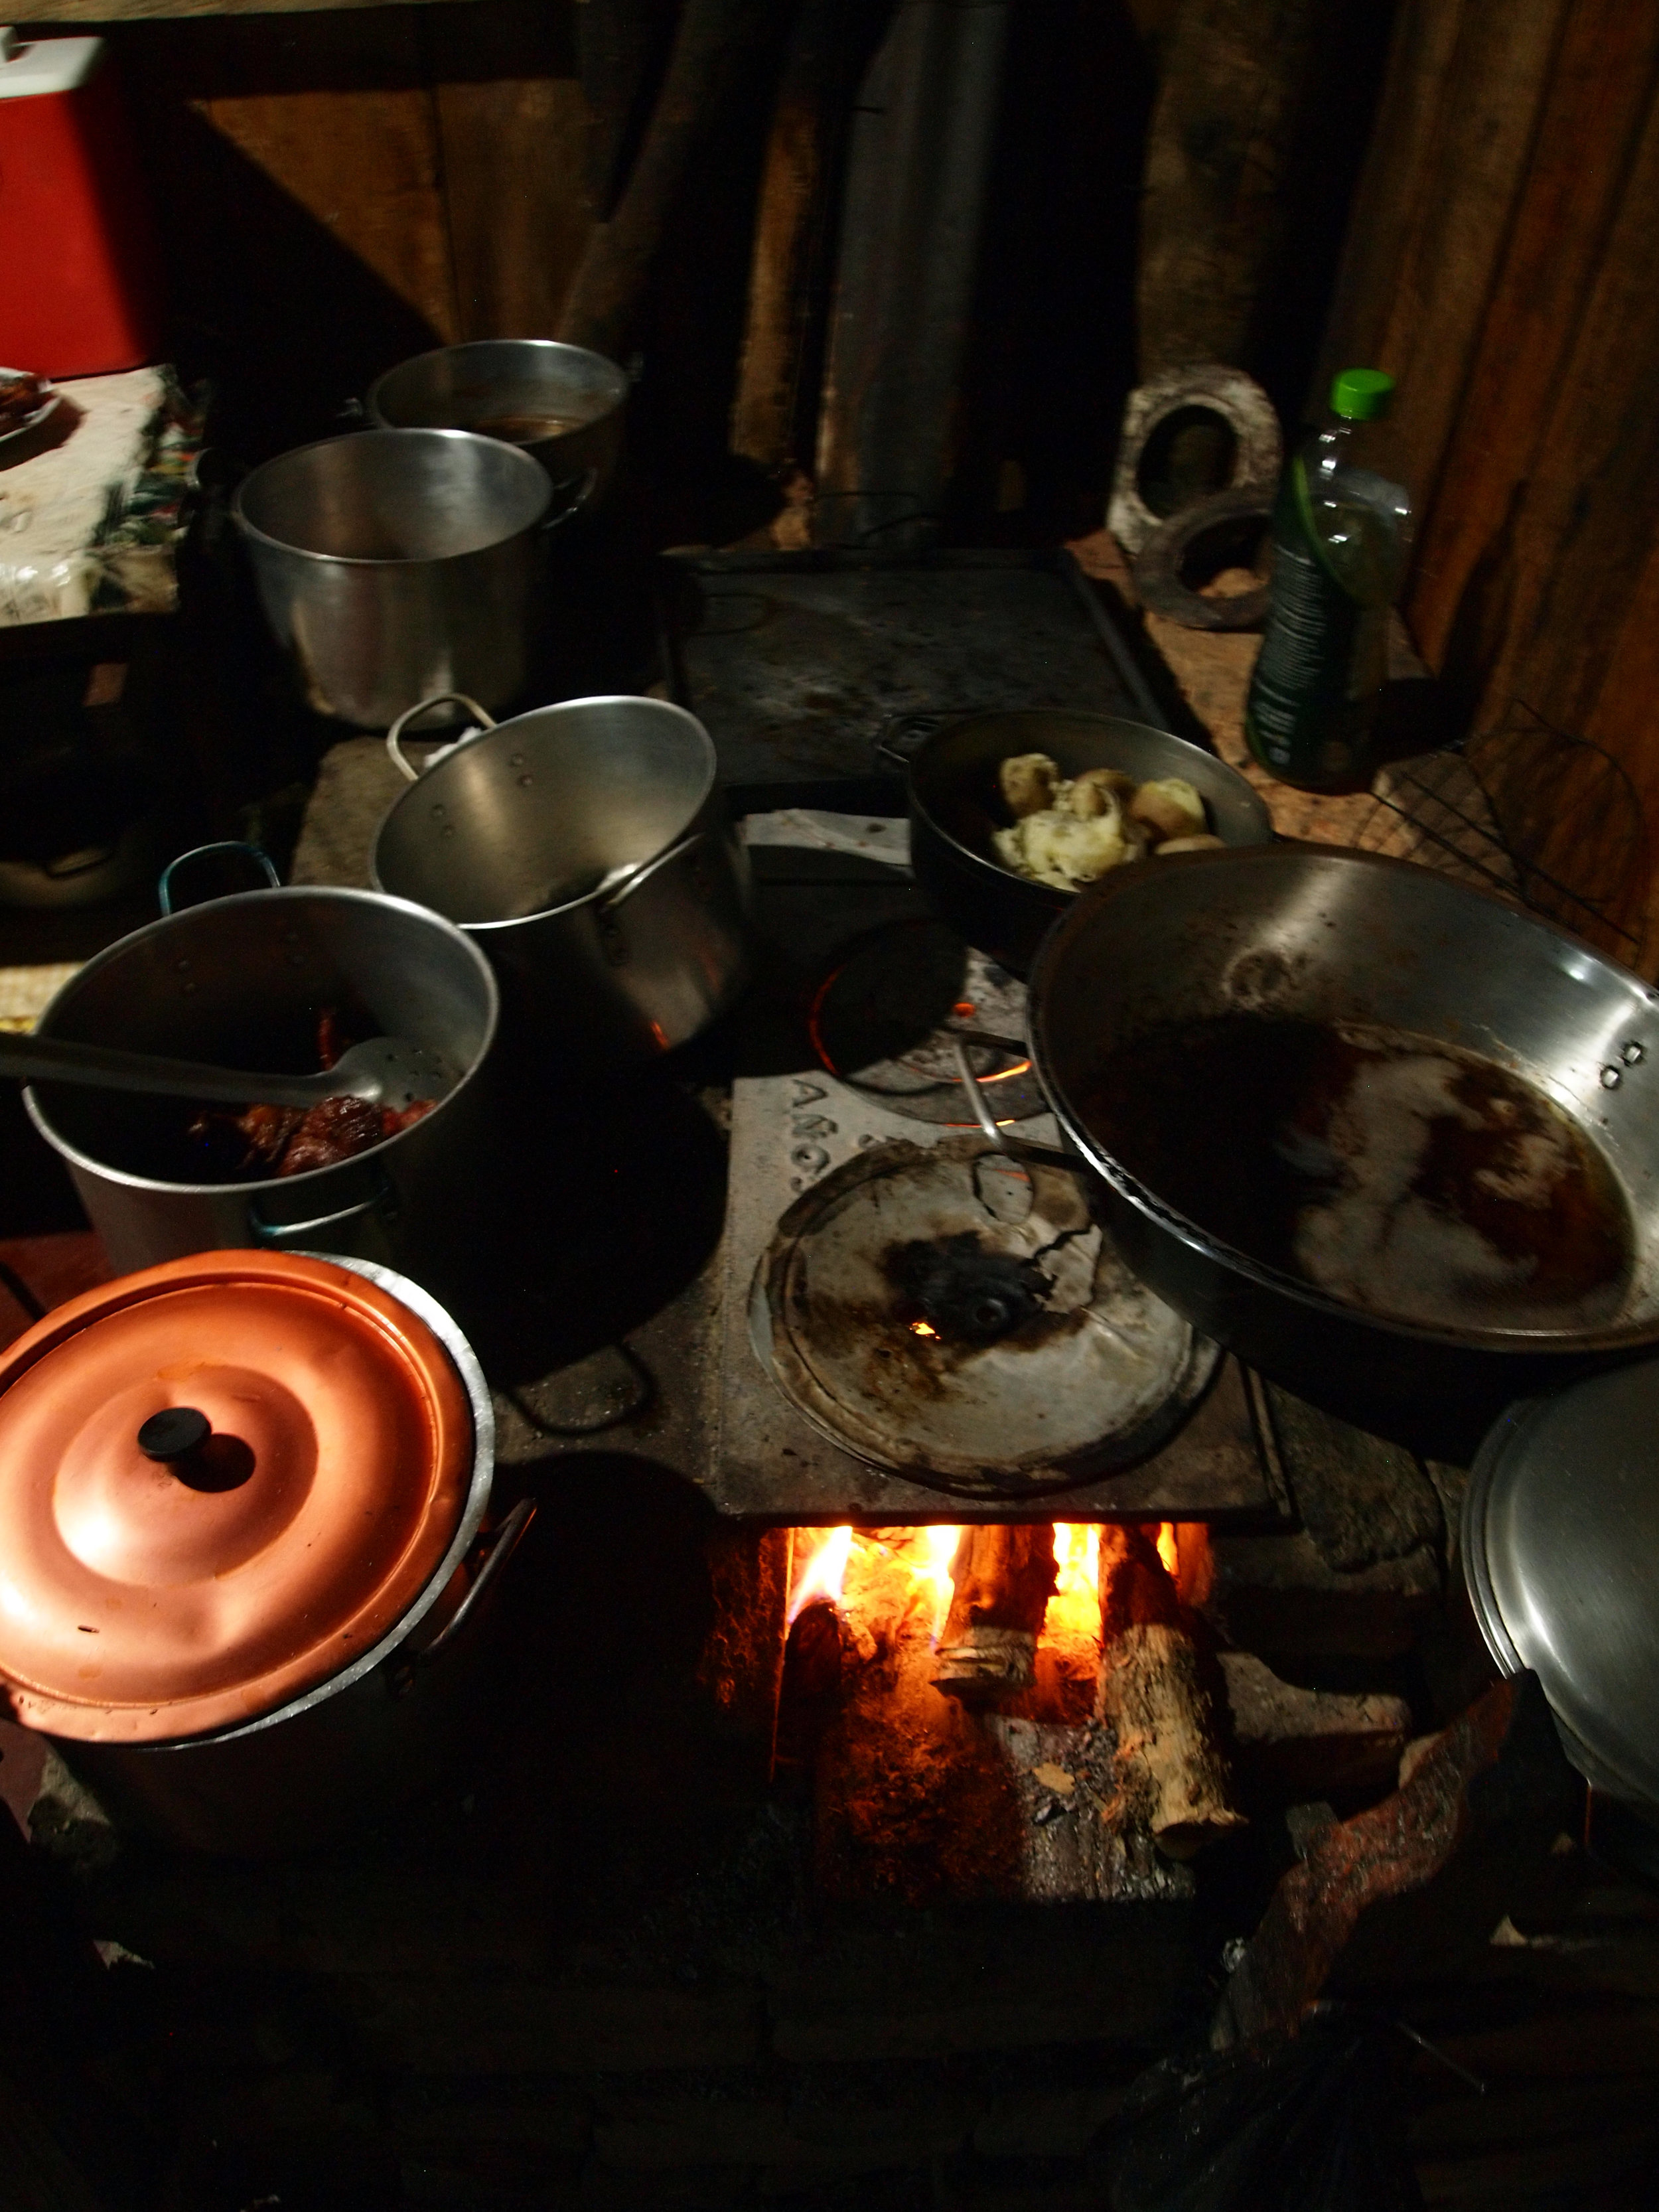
<point x="288" y="1140"/>
<point x="20" y="396"/>
<point x="1067" y="832"/>
<point x="1204" y="844"/>
<point x="1170" y="807"/>
<point x="1028" y="783"/>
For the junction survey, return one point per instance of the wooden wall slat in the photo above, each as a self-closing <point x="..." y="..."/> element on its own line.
<point x="1459" y="115"/>
<point x="1587" y="519"/>
<point x="1598" y="96"/>
<point x="514" y="158"/>
<point x="365" y="164"/>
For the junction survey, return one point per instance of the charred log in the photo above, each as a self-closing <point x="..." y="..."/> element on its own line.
<point x="1171" y="1770"/>
<point x="1003" y="1578"/>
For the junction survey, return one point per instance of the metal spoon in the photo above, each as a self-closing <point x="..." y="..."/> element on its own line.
<point x="386" y="1071"/>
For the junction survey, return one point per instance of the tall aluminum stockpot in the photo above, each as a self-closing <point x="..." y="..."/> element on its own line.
<point x="560" y="403"/>
<point x="585" y="847"/>
<point x="241" y="981"/>
<point x="394" y="563"/>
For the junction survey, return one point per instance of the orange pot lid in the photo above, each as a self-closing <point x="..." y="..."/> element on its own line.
<point x="222" y="1480"/>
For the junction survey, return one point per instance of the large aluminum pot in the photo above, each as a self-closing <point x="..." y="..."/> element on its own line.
<point x="584" y="847"/>
<point x="1311" y="932"/>
<point x="560" y="403"/>
<point x="393" y="563"/>
<point x="951" y="771"/>
<point x="250" y="1567"/>
<point x="241" y="980"/>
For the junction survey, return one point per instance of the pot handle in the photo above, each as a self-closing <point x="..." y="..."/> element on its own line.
<point x="642" y="875"/>
<point x="382" y="1199"/>
<point x="255" y="852"/>
<point x="503" y="1543"/>
<point x="576" y="491"/>
<point x="902" y="737"/>
<point x="436" y="699"/>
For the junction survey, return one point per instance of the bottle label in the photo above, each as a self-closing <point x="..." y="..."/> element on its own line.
<point x="1311" y="696"/>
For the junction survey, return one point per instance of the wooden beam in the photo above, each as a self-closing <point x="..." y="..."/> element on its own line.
<point x="89" y="14"/>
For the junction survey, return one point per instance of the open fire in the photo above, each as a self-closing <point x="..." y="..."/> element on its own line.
<point x="841" y="1567"/>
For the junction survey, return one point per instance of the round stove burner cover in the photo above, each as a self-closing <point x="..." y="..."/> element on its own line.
<point x="943" y="1309"/>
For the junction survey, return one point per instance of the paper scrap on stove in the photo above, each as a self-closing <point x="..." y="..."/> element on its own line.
<point x="876" y="839"/>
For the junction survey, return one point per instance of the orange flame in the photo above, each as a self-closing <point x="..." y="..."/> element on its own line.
<point x="922" y="1329"/>
<point x="1074" y="1609"/>
<point x="824" y="1573"/>
<point x="938" y="1549"/>
<point x="1167" y="1549"/>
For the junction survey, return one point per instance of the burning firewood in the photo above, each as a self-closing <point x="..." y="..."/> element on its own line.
<point x="1171" y="1771"/>
<point x="1003" y="1578"/>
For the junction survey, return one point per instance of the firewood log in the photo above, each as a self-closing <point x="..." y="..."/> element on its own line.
<point x="1171" y="1770"/>
<point x="1003" y="1578"/>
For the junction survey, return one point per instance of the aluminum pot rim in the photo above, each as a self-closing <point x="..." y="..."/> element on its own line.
<point x="601" y="891"/>
<point x="1054" y="899"/>
<point x="1586" y="1344"/>
<point x="446" y="1329"/>
<point x="400" y="561"/>
<point x="311" y="1179"/>
<point x="1594" y="1761"/>
<point x="383" y="422"/>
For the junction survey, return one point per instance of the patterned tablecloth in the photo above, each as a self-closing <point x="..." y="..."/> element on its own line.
<point x="92" y="503"/>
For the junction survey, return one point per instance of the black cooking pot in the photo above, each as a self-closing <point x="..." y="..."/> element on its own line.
<point x="956" y="806"/>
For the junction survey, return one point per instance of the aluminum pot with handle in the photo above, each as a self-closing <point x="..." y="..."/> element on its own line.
<point x="1331" y="938"/>
<point x="241" y="981"/>
<point x="950" y="764"/>
<point x="395" y="564"/>
<point x="560" y="403"/>
<point x="241" y="1498"/>
<point x="584" y="846"/>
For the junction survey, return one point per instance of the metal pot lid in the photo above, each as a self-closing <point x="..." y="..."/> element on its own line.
<point x="944" y="1310"/>
<point x="1560" y="1535"/>
<point x="221" y="1481"/>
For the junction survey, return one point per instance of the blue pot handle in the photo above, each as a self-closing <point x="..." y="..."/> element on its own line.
<point x="256" y="853"/>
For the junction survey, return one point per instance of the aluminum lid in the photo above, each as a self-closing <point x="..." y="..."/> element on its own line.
<point x="222" y="1481"/>
<point x="1561" y="1554"/>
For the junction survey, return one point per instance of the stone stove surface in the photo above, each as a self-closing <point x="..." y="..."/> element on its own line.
<point x="853" y="966"/>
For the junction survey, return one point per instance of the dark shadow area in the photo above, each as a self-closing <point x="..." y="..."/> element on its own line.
<point x="1052" y="346"/>
<point x="608" y="1197"/>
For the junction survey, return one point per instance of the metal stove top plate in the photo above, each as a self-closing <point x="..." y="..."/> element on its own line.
<point x="1049" y="1361"/>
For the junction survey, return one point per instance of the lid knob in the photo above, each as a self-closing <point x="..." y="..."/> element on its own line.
<point x="173" y="1433"/>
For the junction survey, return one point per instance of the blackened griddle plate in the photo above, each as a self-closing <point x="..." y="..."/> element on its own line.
<point x="939" y="1310"/>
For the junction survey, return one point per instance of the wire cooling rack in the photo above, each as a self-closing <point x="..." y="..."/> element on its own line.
<point x="1545" y="818"/>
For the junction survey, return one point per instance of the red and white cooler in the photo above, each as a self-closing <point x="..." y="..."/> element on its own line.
<point x="79" y="293"/>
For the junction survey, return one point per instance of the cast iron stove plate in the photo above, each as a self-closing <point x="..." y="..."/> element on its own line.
<point x="942" y="1311"/>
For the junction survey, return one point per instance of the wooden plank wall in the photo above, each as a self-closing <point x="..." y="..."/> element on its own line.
<point x="1500" y="264"/>
<point x="339" y="190"/>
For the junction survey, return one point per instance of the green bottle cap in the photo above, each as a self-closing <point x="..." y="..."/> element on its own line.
<point x="1361" y="395"/>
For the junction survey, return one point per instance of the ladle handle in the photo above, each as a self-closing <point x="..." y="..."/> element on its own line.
<point x="57" y="1059"/>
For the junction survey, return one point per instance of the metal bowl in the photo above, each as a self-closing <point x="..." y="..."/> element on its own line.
<point x="1311" y="932"/>
<point x="513" y="389"/>
<point x="956" y="806"/>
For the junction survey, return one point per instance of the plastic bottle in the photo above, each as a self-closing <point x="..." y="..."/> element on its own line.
<point x="1340" y="533"/>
